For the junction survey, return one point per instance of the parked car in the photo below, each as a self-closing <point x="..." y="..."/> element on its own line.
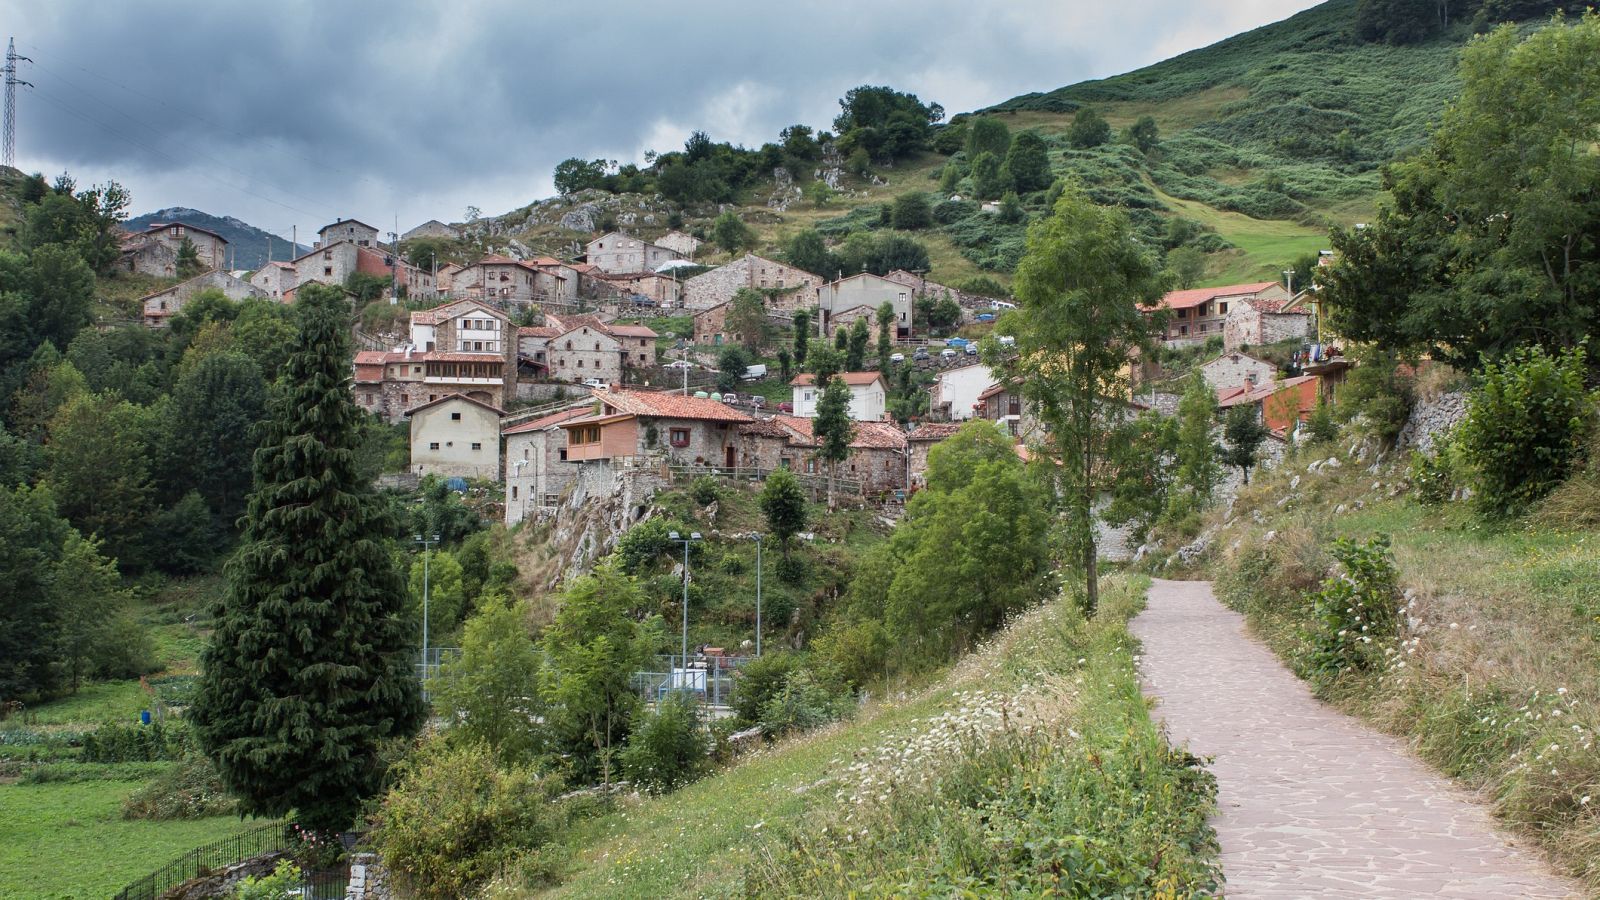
<point x="755" y="372"/>
<point x="730" y="397"/>
<point x="920" y="354"/>
<point x="679" y="364"/>
<point x="1001" y="304"/>
<point x="956" y="342"/>
<point x="786" y="407"/>
<point x="897" y="357"/>
<point x="972" y="349"/>
<point x="597" y="384"/>
<point x="758" y="401"/>
<point x="984" y="317"/>
<point x="947" y="353"/>
<point x="1007" y="340"/>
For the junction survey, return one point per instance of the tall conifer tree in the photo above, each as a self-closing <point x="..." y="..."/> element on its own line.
<point x="307" y="671"/>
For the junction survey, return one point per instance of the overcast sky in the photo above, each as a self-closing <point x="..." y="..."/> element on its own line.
<point x="299" y="112"/>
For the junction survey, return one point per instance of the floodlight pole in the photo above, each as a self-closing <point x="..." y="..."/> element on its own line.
<point x="426" y="543"/>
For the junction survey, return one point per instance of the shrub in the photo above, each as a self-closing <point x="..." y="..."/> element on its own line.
<point x="791" y="569"/>
<point x="645" y="542"/>
<point x="1430" y="477"/>
<point x="667" y="749"/>
<point x="135" y="743"/>
<point x="849" y="656"/>
<point x="1356" y="612"/>
<point x="758" y="680"/>
<point x="802" y="704"/>
<point x="1525" y="428"/>
<point x="1320" y="425"/>
<point x="192" y="789"/>
<point x="705" y="490"/>
<point x="1380" y="392"/>
<point x="283" y="884"/>
<point x="455" y="818"/>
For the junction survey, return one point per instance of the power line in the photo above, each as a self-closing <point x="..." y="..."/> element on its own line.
<point x="9" y="156"/>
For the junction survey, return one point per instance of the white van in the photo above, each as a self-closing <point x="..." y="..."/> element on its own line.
<point x="1001" y="304"/>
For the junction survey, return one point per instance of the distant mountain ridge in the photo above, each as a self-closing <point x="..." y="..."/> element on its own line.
<point x="247" y="244"/>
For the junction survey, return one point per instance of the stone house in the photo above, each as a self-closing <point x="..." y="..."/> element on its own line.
<point x="585" y="350"/>
<point x="357" y="233"/>
<point x="537" y="470"/>
<point x="1200" y="313"/>
<point x="507" y="282"/>
<point x="568" y="278"/>
<point x="956" y="391"/>
<point x="869" y="395"/>
<point x="1255" y="321"/>
<point x="445" y="277"/>
<point x="1005" y="405"/>
<point x="432" y="228"/>
<point x="456" y="436"/>
<point x="276" y="278"/>
<point x="870" y="291"/>
<point x="158" y="308"/>
<point x="334" y="263"/>
<point x="687" y="430"/>
<point x="616" y="253"/>
<point x="788" y="288"/>
<point x="919" y="443"/>
<point x="878" y="453"/>
<point x="680" y="243"/>
<point x="154" y="251"/>
<point x="711" y="327"/>
<point x="1236" y="370"/>
<point x="462" y="347"/>
<point x="661" y="290"/>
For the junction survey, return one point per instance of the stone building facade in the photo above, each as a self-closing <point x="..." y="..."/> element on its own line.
<point x="1257" y="321"/>
<point x="617" y="253"/>
<point x="680" y="243"/>
<point x="155" y="250"/>
<point x="357" y="233"/>
<point x="158" y="308"/>
<point x="1235" y="370"/>
<point x="685" y="430"/>
<point x="870" y="291"/>
<point x="276" y="278"/>
<point x="787" y="287"/>
<point x="1195" y="315"/>
<point x="537" y="470"/>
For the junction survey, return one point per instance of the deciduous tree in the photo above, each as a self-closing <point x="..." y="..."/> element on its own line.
<point x="833" y="428"/>
<point x="784" y="505"/>
<point x="1029" y="163"/>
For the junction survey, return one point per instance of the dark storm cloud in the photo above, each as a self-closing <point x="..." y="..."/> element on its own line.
<point x="298" y="112"/>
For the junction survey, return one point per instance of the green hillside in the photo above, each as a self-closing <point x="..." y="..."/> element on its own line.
<point x="1265" y="140"/>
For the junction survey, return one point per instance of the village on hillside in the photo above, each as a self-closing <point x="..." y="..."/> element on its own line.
<point x="531" y="371"/>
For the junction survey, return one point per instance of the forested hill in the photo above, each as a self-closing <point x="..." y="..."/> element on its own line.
<point x="248" y="244"/>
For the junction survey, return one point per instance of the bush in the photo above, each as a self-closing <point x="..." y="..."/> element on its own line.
<point x="705" y="490"/>
<point x="283" y="884"/>
<point x="1357" y="611"/>
<point x="1320" y="425"/>
<point x="135" y="743"/>
<point x="802" y="704"/>
<point x="1380" y="392"/>
<point x="1525" y="428"/>
<point x="647" y="541"/>
<point x="455" y="818"/>
<point x="791" y="569"/>
<point x="1430" y="477"/>
<point x="667" y="749"/>
<point x="759" y="680"/>
<point x="849" y="656"/>
<point x="192" y="789"/>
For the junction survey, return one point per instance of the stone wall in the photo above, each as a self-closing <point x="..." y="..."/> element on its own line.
<point x="1430" y="419"/>
<point x="1234" y="370"/>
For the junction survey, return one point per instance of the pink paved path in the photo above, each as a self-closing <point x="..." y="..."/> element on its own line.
<point x="1311" y="803"/>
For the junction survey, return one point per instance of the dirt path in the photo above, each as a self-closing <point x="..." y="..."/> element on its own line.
<point x="1311" y="802"/>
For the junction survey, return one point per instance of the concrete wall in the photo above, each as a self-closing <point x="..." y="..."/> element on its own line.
<point x="456" y="438"/>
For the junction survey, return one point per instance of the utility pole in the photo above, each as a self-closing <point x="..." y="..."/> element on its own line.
<point x="426" y="543"/>
<point x="10" y="70"/>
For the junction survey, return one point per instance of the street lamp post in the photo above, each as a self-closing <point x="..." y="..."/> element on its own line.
<point x="758" y="537"/>
<point x="426" y="543"/>
<point x="685" y="541"/>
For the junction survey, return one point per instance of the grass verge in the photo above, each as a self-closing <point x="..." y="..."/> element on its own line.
<point x="1031" y="766"/>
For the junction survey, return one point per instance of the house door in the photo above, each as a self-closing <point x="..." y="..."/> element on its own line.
<point x="729" y="456"/>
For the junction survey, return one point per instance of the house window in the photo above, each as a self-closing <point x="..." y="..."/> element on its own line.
<point x="433" y="445"/>
<point x="562" y="452"/>
<point x="513" y="492"/>
<point x="1183" y="329"/>
<point x="416" y="370"/>
<point x="327" y="271"/>
<point x="1222" y="309"/>
<point x="476" y="445"/>
<point x="327" y="254"/>
<point x="177" y="231"/>
<point x="679" y="437"/>
<point x="455" y="417"/>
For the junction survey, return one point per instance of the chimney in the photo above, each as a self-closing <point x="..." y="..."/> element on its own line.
<point x="1250" y="381"/>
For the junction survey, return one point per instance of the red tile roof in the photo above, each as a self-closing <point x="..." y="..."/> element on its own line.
<point x="451" y="356"/>
<point x="934" y="431"/>
<point x="446" y="399"/>
<point x="878" y="436"/>
<point x="566" y="415"/>
<point x="643" y="331"/>
<point x="1263" y="392"/>
<point x="537" y="331"/>
<point x="851" y="378"/>
<point x="1196" y="296"/>
<point x="669" y="406"/>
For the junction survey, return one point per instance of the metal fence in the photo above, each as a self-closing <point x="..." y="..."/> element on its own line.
<point x="708" y="680"/>
<point x="204" y="860"/>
